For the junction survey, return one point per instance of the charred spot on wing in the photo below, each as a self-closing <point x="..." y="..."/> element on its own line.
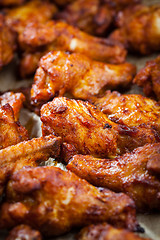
<point x="107" y="126"/>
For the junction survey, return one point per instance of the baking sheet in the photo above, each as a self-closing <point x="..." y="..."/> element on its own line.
<point x="9" y="80"/>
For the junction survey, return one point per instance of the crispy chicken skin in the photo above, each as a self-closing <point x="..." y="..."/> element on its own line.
<point x="90" y="131"/>
<point x="135" y="173"/>
<point x="149" y="78"/>
<point x="139" y="29"/>
<point x="27" y="153"/>
<point x="77" y="74"/>
<point x="24" y="232"/>
<point x="54" y="201"/>
<point x="11" y="132"/>
<point x="32" y="11"/>
<point x="96" y="18"/>
<point x="41" y="38"/>
<point x="15" y="100"/>
<point x="132" y="110"/>
<point x="7" y="43"/>
<point x="106" y="232"/>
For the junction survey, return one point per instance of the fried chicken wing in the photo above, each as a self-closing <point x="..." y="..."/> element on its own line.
<point x="149" y="79"/>
<point x="89" y="130"/>
<point x="139" y="29"/>
<point x="59" y="72"/>
<point x="42" y="38"/>
<point x="106" y="232"/>
<point x="7" y="43"/>
<point x="27" y="153"/>
<point x="11" y="132"/>
<point x="15" y="100"/>
<point x="132" y="110"/>
<point x="135" y="173"/>
<point x="32" y="11"/>
<point x="24" y="232"/>
<point x="54" y="201"/>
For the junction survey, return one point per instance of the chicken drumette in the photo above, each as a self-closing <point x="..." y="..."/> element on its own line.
<point x="135" y="173"/>
<point x="75" y="73"/>
<point x="89" y="130"/>
<point x="149" y="79"/>
<point x="54" y="201"/>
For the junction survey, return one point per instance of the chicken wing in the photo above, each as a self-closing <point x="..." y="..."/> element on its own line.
<point x="148" y="78"/>
<point x="75" y="73"/>
<point x="11" y="132"/>
<point x="106" y="232"/>
<point x="42" y="38"/>
<point x="27" y="153"/>
<point x="54" y="201"/>
<point x="24" y="232"/>
<point x="89" y="130"/>
<point x="7" y="43"/>
<point x="132" y="110"/>
<point x="135" y="173"/>
<point x="139" y="29"/>
<point x="32" y="11"/>
<point x="15" y="100"/>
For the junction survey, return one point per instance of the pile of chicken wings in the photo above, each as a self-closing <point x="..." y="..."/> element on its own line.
<point x="109" y="141"/>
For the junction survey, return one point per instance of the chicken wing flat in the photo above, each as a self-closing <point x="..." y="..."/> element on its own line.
<point x="7" y="3"/>
<point x="134" y="173"/>
<point x="27" y="153"/>
<point x="24" y="232"/>
<point x="89" y="130"/>
<point x="148" y="78"/>
<point x="7" y="43"/>
<point x="62" y="36"/>
<point x="11" y="132"/>
<point x="132" y="110"/>
<point x="54" y="201"/>
<point x="32" y="11"/>
<point x="139" y="29"/>
<point x="15" y="100"/>
<point x="106" y="232"/>
<point x="77" y="74"/>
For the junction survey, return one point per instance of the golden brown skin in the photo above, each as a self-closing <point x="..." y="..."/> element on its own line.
<point x="149" y="78"/>
<point x="90" y="131"/>
<point x="11" y="132"/>
<point x="32" y="11"/>
<point x="132" y="110"/>
<point x="7" y="43"/>
<point x="27" y="153"/>
<point x="106" y="232"/>
<point x="54" y="201"/>
<point x="135" y="173"/>
<point x="24" y="232"/>
<point x="91" y="16"/>
<point x="78" y="75"/>
<point x="15" y="100"/>
<point x="62" y="36"/>
<point x="139" y="29"/>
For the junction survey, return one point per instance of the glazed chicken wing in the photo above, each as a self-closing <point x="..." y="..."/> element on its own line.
<point x="27" y="153"/>
<point x="75" y="73"/>
<point x="135" y="173"/>
<point x="32" y="11"/>
<point x="54" y="201"/>
<point x="139" y="29"/>
<point x="106" y="232"/>
<point x="149" y="79"/>
<point x="11" y="132"/>
<point x="7" y="43"/>
<point x="132" y="110"/>
<point x="89" y="130"/>
<point x="15" y="100"/>
<point x="42" y="38"/>
<point x="24" y="232"/>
